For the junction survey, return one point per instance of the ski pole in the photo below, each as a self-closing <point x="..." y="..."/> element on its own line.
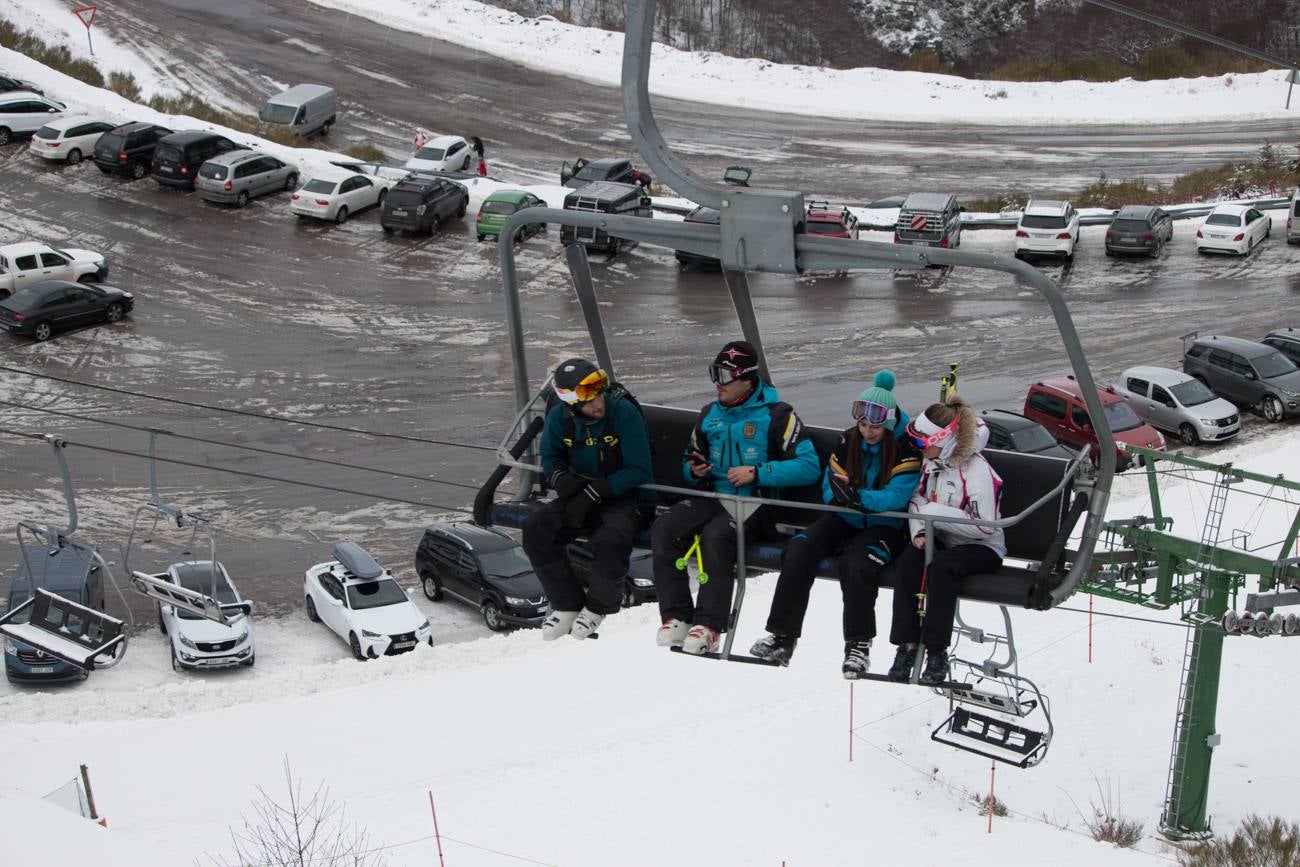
<point x="685" y="559"/>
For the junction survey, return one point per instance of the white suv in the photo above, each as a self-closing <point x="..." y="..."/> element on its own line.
<point x="1047" y="228"/>
<point x="23" y="113"/>
<point x="196" y="642"/>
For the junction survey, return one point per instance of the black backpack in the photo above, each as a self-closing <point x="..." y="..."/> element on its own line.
<point x="610" y="455"/>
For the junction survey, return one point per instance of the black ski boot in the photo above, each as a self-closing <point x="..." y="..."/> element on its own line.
<point x="936" y="666"/>
<point x="857" y="659"/>
<point x="775" y="648"/>
<point x="904" y="659"/>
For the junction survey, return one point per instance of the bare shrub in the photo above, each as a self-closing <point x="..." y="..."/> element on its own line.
<point x="989" y="802"/>
<point x="367" y="153"/>
<point x="1257" y="842"/>
<point x="1107" y="823"/>
<point x="124" y="84"/>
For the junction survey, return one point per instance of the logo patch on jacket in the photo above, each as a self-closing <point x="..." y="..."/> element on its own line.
<point x="749" y="430"/>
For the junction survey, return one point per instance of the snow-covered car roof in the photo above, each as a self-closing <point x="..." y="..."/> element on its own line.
<point x="1046" y="208"/>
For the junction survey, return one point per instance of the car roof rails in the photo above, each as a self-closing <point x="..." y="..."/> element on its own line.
<point x="158" y="585"/>
<point x="358" y="561"/>
<point x="77" y="634"/>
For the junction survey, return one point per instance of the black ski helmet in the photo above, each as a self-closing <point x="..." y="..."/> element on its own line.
<point x="578" y="381"/>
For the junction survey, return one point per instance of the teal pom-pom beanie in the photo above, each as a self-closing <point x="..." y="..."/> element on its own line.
<point x="882" y="392"/>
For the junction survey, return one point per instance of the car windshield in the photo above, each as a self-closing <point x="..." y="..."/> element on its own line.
<point x="506" y="563"/>
<point x="1120" y="416"/>
<point x="1273" y="364"/>
<point x="1223" y="220"/>
<point x="375" y="594"/>
<point x="499" y="207"/>
<point x="1191" y="393"/>
<point x="47" y="132"/>
<point x="1131" y="226"/>
<point x="273" y="113"/>
<point x="1042" y="221"/>
<point x="18" y="597"/>
<point x="1034" y="438"/>
<point x="404" y="199"/>
<point x="316" y="185"/>
<point x="214" y="171"/>
<point x="822" y="227"/>
<point x="430" y="154"/>
<point x="199" y="579"/>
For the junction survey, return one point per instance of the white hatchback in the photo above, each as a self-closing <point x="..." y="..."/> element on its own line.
<point x="1179" y="403"/>
<point x="362" y="604"/>
<point x="1233" y="229"/>
<point x="69" y="138"/>
<point x="338" y="196"/>
<point x="446" y="153"/>
<point x="1047" y="228"/>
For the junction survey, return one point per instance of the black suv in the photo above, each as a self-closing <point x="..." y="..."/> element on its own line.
<point x="128" y="149"/>
<point x="483" y="567"/>
<point x="710" y="217"/>
<point x="178" y="156"/>
<point x="419" y="203"/>
<point x="9" y="83"/>
<point x="582" y="172"/>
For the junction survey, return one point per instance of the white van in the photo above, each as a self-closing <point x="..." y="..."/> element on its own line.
<point x="1293" y="217"/>
<point x="304" y="108"/>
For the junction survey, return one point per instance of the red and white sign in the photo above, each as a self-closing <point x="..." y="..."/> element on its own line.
<point x="918" y="222"/>
<point x="86" y="14"/>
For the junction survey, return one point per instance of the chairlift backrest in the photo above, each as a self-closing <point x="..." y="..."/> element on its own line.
<point x="66" y="630"/>
<point x="357" y="560"/>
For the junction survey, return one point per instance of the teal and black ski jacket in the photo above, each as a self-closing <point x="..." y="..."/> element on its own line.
<point x="616" y="448"/>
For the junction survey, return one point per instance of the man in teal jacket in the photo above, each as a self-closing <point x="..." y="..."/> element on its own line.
<point x="747" y="442"/>
<point x="595" y="453"/>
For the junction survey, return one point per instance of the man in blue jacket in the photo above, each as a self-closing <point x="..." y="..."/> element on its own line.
<point x="595" y="453"/>
<point x="746" y="442"/>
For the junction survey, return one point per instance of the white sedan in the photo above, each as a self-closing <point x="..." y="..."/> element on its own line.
<point x="447" y="153"/>
<point x="29" y="262"/>
<point x="363" y="605"/>
<point x="69" y="138"/>
<point x="1233" y="229"/>
<point x="338" y="196"/>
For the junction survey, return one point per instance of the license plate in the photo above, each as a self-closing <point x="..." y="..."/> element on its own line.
<point x="42" y="669"/>
<point x="920" y="244"/>
<point x="1218" y="237"/>
<point x="168" y="169"/>
<point x="399" y="212"/>
<point x="403" y="645"/>
<point x="1040" y="235"/>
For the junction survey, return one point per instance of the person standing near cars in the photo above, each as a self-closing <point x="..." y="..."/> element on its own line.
<point x="747" y="442"/>
<point x="874" y="468"/>
<point x="595" y="452"/>
<point x="476" y="144"/>
<point x="956" y="481"/>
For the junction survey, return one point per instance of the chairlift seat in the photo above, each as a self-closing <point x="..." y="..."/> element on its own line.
<point x="357" y="561"/>
<point x="1038" y="541"/>
<point x="66" y="630"/>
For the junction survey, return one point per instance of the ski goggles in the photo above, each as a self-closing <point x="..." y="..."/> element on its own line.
<point x="925" y="433"/>
<point x="590" y="388"/>
<point x="723" y="375"/>
<point x="872" y="413"/>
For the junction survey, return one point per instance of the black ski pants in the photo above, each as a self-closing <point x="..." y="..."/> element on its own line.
<point x="942" y="585"/>
<point x="611" y="530"/>
<point x="673" y="533"/>
<point x="866" y="553"/>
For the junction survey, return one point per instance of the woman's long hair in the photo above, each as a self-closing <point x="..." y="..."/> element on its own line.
<point x="888" y="457"/>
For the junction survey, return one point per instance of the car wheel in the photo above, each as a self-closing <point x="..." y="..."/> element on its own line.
<point x="113" y="313"/>
<point x="291" y="182"/>
<point x="383" y="194"/>
<point x="492" y="617"/>
<point x="312" y="614"/>
<point x="242" y="199"/>
<point x="162" y="624"/>
<point x="480" y="238"/>
<point x="465" y="166"/>
<point x="629" y="598"/>
<point x="356" y="646"/>
<point x="74" y="157"/>
<point x="325" y="128"/>
<point x="42" y="331"/>
<point x="1272" y="408"/>
<point x="104" y="171"/>
<point x="4" y="135"/>
<point x="1187" y="433"/>
<point x="251" y="660"/>
<point x="137" y="170"/>
<point x="342" y="215"/>
<point x="433" y="225"/>
<point x="388" y="230"/>
<point x="176" y="663"/>
<point x="464" y="206"/>
<point x="432" y="589"/>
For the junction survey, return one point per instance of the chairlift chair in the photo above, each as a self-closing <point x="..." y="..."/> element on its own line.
<point x="758" y="231"/>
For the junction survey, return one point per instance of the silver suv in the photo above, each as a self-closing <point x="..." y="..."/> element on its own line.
<point x="1246" y="373"/>
<point x="236" y="176"/>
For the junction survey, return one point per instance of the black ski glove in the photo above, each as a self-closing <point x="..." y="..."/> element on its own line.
<point x="564" y="483"/>
<point x="844" y="493"/>
<point x="577" y="512"/>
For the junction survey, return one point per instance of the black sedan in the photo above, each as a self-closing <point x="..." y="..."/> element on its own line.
<point x="1013" y="432"/>
<point x="42" y="308"/>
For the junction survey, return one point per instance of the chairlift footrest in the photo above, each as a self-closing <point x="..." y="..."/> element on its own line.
<point x="992" y="738"/>
<point x="884" y="678"/>
<point x="734" y="657"/>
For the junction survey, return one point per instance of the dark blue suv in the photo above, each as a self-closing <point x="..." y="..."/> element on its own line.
<point x="65" y="573"/>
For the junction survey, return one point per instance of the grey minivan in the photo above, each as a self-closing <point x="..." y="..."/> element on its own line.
<point x="237" y="176"/>
<point x="1139" y="229"/>
<point x="1246" y="373"/>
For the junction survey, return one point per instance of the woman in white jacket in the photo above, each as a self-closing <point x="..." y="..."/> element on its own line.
<point x="956" y="481"/>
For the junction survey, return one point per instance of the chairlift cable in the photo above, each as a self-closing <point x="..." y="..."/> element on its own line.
<point x="258" y="449"/>
<point x="250" y="413"/>
<point x="251" y="475"/>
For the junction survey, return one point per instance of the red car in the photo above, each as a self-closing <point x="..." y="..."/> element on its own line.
<point x="830" y="221"/>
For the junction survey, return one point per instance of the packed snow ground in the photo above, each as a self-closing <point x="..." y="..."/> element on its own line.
<point x="614" y="751"/>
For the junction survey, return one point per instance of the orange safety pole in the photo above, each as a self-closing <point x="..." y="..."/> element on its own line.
<point x="850" y="720"/>
<point x="436" y="834"/>
<point x="993" y="772"/>
<point x="1090" y="629"/>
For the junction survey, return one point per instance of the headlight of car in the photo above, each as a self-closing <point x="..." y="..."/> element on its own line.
<point x="366" y="633"/>
<point x="1209" y="421"/>
<point x="643" y="582"/>
<point x="422" y="627"/>
<point x="187" y="642"/>
<point x="10" y="648"/>
<point x="517" y="601"/>
<point x="242" y="634"/>
<point x="1289" y="393"/>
